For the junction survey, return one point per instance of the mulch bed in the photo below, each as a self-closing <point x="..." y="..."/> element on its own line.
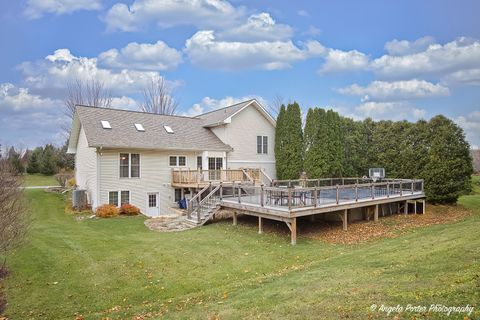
<point x="362" y="231"/>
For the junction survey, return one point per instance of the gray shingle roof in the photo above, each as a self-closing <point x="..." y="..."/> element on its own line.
<point x="217" y="116"/>
<point x="189" y="133"/>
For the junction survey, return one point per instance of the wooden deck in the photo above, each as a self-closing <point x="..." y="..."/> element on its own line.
<point x="186" y="178"/>
<point x="286" y="204"/>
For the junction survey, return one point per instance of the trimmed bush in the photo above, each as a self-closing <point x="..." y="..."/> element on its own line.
<point x="107" y="211"/>
<point x="129" y="210"/>
<point x="71" y="182"/>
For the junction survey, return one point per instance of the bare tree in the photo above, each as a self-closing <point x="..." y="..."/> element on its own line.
<point x="274" y="108"/>
<point x="13" y="213"/>
<point x="158" y="98"/>
<point x="86" y="92"/>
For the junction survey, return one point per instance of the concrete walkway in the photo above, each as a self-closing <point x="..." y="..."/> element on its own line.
<point x="40" y="187"/>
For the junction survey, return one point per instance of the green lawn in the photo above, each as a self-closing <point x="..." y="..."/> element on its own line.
<point x="117" y="268"/>
<point x="33" y="180"/>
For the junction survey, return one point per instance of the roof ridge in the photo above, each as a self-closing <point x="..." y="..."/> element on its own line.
<point x="232" y="105"/>
<point x="135" y="111"/>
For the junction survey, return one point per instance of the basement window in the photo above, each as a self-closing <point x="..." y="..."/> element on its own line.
<point x="106" y="124"/>
<point x="139" y="127"/>
<point x="168" y="129"/>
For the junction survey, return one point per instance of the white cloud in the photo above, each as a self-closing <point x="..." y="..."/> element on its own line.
<point x="18" y="99"/>
<point x="51" y="74"/>
<point x="258" y="27"/>
<point x="390" y="111"/>
<point x="208" y="104"/>
<point x="463" y="77"/>
<point x="141" y="56"/>
<point x="461" y="54"/>
<point x="37" y="8"/>
<point x="205" y="50"/>
<point x="168" y="13"/>
<point x="124" y="102"/>
<point x="312" y="31"/>
<point x="28" y="119"/>
<point x="303" y="13"/>
<point x="397" y="90"/>
<point x="341" y="61"/>
<point x="471" y="124"/>
<point x="404" y="47"/>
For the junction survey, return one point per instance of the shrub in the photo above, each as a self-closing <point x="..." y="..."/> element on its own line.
<point x="129" y="210"/>
<point x="71" y="182"/>
<point x="107" y="211"/>
<point x="63" y="178"/>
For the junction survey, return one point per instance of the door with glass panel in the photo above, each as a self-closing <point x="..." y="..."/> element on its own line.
<point x="215" y="166"/>
<point x="153" y="208"/>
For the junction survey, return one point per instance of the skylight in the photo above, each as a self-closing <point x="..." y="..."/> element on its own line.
<point x="168" y="129"/>
<point x="106" y="124"/>
<point x="139" y="127"/>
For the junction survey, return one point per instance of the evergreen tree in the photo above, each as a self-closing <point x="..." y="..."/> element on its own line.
<point x="14" y="159"/>
<point x="294" y="142"/>
<point x="280" y="143"/>
<point x="312" y="150"/>
<point x="34" y="161"/>
<point x="48" y="163"/>
<point x="449" y="163"/>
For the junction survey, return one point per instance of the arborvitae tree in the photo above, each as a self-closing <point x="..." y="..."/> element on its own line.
<point x="34" y="161"/>
<point x="280" y="143"/>
<point x="354" y="162"/>
<point x="48" y="163"/>
<point x="449" y="164"/>
<point x="294" y="142"/>
<point x="335" y="144"/>
<point x="311" y="163"/>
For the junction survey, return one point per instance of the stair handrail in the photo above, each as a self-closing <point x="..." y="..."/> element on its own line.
<point x="191" y="201"/>
<point x="270" y="180"/>
<point x="204" y="200"/>
<point x="247" y="175"/>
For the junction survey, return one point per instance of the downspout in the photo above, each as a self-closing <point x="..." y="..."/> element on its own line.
<point x="99" y="171"/>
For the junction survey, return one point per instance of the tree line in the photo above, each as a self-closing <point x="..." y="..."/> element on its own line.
<point x="46" y="159"/>
<point x="329" y="145"/>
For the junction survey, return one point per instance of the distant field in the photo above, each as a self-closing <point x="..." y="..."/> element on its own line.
<point x="33" y="180"/>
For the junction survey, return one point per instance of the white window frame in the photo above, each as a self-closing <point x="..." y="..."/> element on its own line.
<point x="130" y="165"/>
<point x="264" y="150"/>
<point x="177" y="162"/>
<point x="108" y="197"/>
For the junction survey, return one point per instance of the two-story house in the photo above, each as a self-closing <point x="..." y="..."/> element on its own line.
<point x="152" y="161"/>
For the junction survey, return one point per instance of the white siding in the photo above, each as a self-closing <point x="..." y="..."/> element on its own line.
<point x="241" y="134"/>
<point x="155" y="176"/>
<point x="86" y="168"/>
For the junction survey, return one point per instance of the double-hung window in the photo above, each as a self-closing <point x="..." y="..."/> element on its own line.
<point x="114" y="196"/>
<point x="129" y="165"/>
<point x="177" y="161"/>
<point x="262" y="145"/>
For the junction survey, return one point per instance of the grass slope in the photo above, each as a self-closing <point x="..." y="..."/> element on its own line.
<point x="33" y="180"/>
<point x="117" y="268"/>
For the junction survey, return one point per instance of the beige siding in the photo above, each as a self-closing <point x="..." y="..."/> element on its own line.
<point x="155" y="176"/>
<point x="241" y="134"/>
<point x="86" y="168"/>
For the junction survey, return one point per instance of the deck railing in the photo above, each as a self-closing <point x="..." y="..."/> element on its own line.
<point x="299" y="196"/>
<point x="199" y="176"/>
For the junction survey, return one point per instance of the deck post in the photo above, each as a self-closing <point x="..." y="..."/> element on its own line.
<point x="289" y="199"/>
<point x="260" y="226"/>
<point x="294" y="231"/>
<point x="388" y="189"/>
<point x="221" y="190"/>
<point x="412" y="185"/>
<point x="373" y="191"/>
<point x="415" y="209"/>
<point x="356" y="191"/>
<point x="424" y="204"/>
<point x="234" y="216"/>
<point x="239" y="192"/>
<point x="261" y="195"/>
<point x="315" y="196"/>
<point x="401" y="187"/>
<point x="338" y="195"/>
<point x="345" y="219"/>
<point x="405" y="209"/>
<point x="375" y="215"/>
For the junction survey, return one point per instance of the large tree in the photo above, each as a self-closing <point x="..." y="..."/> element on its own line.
<point x="48" y="163"/>
<point x="158" y="98"/>
<point x="280" y="142"/>
<point x="448" y="163"/>
<point x="89" y="92"/>
<point x="293" y="165"/>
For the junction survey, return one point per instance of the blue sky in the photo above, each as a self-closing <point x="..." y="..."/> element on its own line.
<point x="383" y="59"/>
